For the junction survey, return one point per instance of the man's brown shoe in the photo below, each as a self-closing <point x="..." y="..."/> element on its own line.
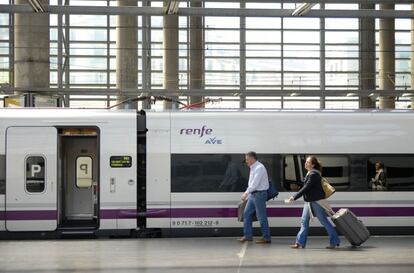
<point x="261" y="241"/>
<point x="296" y="246"/>
<point x="244" y="239"/>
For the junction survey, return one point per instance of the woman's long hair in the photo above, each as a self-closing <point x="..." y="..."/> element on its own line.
<point x="315" y="162"/>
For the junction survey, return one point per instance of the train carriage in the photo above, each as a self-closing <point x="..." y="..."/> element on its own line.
<point x="123" y="172"/>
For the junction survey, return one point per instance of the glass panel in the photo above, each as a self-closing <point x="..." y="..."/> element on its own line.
<point x="230" y="36"/>
<point x="338" y="51"/>
<point x="4" y="63"/>
<point x="261" y="23"/>
<point x="263" y="64"/>
<point x="301" y="79"/>
<point x="305" y="51"/>
<point x="402" y="37"/>
<point x="342" y="65"/>
<point x="88" y="77"/>
<point x="262" y="36"/>
<point x="222" y="22"/>
<point x="4" y="19"/>
<point x="88" y="20"/>
<point x="218" y="50"/>
<point x="88" y="35"/>
<point x="341" y="37"/>
<point x="403" y="80"/>
<point x="85" y="63"/>
<point x="402" y="65"/>
<point x="301" y="23"/>
<point x="402" y="24"/>
<point x="301" y="37"/>
<point x="84" y="170"/>
<point x="260" y="79"/>
<point x="222" y="64"/>
<point x="4" y="33"/>
<point x="212" y="78"/>
<point x="402" y="52"/>
<point x="35" y="174"/>
<point x="341" y="23"/>
<point x="263" y="50"/>
<point x="337" y="79"/>
<point x="88" y="49"/>
<point x="4" y="48"/>
<point x="301" y="65"/>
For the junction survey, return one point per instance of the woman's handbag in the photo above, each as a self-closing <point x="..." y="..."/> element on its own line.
<point x="327" y="188"/>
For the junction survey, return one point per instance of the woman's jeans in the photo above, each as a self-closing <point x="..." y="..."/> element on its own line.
<point x="256" y="203"/>
<point x="320" y="213"/>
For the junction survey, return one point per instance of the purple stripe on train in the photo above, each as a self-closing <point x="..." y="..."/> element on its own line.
<point x="203" y="213"/>
<point x="29" y="215"/>
<point x="274" y="212"/>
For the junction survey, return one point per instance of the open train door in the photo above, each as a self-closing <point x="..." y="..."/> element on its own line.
<point x="31" y="179"/>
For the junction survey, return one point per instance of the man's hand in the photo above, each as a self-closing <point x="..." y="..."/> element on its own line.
<point x="290" y="200"/>
<point x="244" y="196"/>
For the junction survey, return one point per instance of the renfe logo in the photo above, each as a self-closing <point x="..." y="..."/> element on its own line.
<point x="197" y="132"/>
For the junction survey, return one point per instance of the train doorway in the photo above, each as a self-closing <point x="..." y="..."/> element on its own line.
<point x="78" y="192"/>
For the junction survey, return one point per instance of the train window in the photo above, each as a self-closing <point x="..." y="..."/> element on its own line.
<point x="335" y="168"/>
<point x="398" y="172"/>
<point x="228" y="173"/>
<point x="206" y="173"/>
<point x="84" y="172"/>
<point x="35" y="174"/>
<point x="2" y="174"/>
<point x="216" y="172"/>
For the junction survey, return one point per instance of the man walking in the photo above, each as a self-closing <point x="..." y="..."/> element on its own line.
<point x="256" y="196"/>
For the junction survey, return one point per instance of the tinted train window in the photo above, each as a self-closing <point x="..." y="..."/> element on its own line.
<point x="35" y="174"/>
<point x="354" y="172"/>
<point x="216" y="172"/>
<point x="335" y="169"/>
<point x="399" y="171"/>
<point x="228" y="173"/>
<point x="2" y="174"/>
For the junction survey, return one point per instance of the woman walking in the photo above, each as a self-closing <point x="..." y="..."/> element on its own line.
<point x="312" y="192"/>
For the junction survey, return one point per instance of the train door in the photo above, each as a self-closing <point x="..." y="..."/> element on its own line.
<point x="78" y="191"/>
<point x="31" y="179"/>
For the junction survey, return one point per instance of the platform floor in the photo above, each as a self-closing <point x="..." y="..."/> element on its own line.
<point x="379" y="254"/>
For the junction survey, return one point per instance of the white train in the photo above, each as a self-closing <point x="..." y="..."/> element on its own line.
<point x="119" y="172"/>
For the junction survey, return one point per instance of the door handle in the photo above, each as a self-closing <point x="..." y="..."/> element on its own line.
<point x="112" y="185"/>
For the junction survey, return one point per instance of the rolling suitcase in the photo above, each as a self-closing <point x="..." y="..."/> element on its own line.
<point x="348" y="224"/>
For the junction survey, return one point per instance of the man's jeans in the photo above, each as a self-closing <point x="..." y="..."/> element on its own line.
<point x="256" y="203"/>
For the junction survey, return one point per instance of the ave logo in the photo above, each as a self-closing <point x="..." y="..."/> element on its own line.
<point x="213" y="140"/>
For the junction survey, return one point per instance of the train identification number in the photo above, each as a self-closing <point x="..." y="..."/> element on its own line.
<point x="194" y="223"/>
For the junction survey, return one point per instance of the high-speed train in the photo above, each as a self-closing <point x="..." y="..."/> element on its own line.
<point x="172" y="173"/>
